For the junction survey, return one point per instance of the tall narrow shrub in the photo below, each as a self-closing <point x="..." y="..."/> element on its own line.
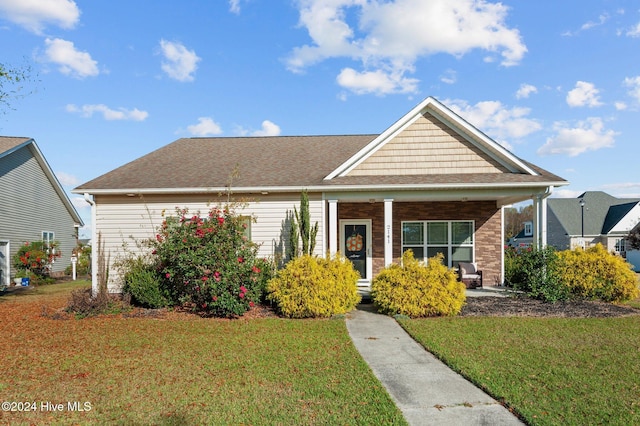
<point x="307" y="232"/>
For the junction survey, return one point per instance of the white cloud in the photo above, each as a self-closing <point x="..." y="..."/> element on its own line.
<point x="67" y="179"/>
<point x="205" y="127"/>
<point x="234" y="6"/>
<point x="591" y="24"/>
<point x="35" y="14"/>
<point x="449" y="77"/>
<point x="634" y="87"/>
<point x="584" y="94"/>
<point x="496" y="120"/>
<point x="71" y="62"/>
<point x="80" y="203"/>
<point x="108" y="113"/>
<point x="623" y="189"/>
<point x="389" y="37"/>
<point x="620" y="106"/>
<point x="588" y="135"/>
<point x="566" y="193"/>
<point x="378" y="82"/>
<point x="525" y="90"/>
<point x="634" y="31"/>
<point x="269" y="128"/>
<point x="179" y="62"/>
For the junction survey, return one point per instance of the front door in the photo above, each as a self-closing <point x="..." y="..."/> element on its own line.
<point x="355" y="243"/>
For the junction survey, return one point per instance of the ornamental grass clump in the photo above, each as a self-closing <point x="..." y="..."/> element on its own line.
<point x="595" y="273"/>
<point x="314" y="287"/>
<point x="418" y="290"/>
<point x="208" y="264"/>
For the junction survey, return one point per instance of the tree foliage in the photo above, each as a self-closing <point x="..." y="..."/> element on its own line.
<point x="12" y="81"/>
<point x="514" y="219"/>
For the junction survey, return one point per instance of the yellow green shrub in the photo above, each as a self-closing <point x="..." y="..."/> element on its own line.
<point x="310" y="287"/>
<point x="595" y="273"/>
<point x="417" y="290"/>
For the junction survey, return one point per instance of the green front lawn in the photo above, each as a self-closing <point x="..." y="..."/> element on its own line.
<point x="181" y="369"/>
<point x="552" y="371"/>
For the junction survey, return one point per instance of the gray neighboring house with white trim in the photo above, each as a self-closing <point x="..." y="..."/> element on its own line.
<point x="431" y="182"/>
<point x="591" y="218"/>
<point x="32" y="202"/>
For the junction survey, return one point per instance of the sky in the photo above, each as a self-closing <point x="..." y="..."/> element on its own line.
<point x="556" y="82"/>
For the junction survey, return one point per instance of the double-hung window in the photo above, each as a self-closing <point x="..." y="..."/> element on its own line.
<point x="454" y="239"/>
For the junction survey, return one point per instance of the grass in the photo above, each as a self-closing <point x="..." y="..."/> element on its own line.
<point x="181" y="369"/>
<point x="550" y="371"/>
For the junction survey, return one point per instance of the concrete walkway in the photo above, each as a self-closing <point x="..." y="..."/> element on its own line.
<point x="424" y="389"/>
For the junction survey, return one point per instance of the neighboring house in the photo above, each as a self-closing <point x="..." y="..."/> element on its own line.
<point x="591" y="218"/>
<point x="33" y="205"/>
<point x="431" y="183"/>
<point x="524" y="238"/>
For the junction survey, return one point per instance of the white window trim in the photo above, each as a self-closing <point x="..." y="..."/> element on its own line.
<point x="449" y="245"/>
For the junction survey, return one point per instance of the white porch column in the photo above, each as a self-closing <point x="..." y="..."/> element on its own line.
<point x="333" y="227"/>
<point x="540" y="219"/>
<point x="543" y="222"/>
<point x="388" y="232"/>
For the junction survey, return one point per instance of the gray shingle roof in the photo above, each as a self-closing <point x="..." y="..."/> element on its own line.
<point x="276" y="161"/>
<point x="300" y="161"/>
<point x="9" y="142"/>
<point x="601" y="212"/>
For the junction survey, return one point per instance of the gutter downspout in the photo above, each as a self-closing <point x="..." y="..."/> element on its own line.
<point x="94" y="249"/>
<point x="541" y="217"/>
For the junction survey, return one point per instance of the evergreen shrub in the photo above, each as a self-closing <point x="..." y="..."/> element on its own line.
<point x="144" y="284"/>
<point x="315" y="287"/>
<point x="536" y="272"/>
<point x="418" y="290"/>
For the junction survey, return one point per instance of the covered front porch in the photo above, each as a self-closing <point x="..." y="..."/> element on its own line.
<point x="373" y="230"/>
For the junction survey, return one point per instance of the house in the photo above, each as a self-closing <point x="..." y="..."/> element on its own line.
<point x="431" y="182"/>
<point x="591" y="218"/>
<point x="524" y="238"/>
<point x="33" y="205"/>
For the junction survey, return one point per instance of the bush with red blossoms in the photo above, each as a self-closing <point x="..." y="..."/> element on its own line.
<point x="208" y="264"/>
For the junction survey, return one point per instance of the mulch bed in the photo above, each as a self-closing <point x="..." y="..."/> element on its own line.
<point x="527" y="307"/>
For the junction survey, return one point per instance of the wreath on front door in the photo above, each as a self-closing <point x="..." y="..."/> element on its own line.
<point x="354" y="242"/>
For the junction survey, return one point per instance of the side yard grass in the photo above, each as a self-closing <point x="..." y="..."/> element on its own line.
<point x="180" y="369"/>
<point x="549" y="370"/>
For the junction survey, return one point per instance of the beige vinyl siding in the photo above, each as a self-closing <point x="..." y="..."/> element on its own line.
<point x="29" y="205"/>
<point x="124" y="220"/>
<point x="427" y="147"/>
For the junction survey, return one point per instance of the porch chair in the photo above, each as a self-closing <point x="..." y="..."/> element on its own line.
<point x="468" y="273"/>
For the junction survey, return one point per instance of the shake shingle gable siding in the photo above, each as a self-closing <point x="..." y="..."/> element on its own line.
<point x="430" y="165"/>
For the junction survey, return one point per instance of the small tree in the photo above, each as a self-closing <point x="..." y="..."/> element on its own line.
<point x="12" y="80"/>
<point x="633" y="239"/>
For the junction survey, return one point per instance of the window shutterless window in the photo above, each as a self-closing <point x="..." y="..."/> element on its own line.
<point x="454" y="239"/>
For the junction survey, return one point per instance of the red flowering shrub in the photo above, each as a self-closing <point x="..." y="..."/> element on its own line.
<point x="36" y="257"/>
<point x="208" y="264"/>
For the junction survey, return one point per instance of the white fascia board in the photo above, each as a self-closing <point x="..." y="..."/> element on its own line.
<point x="322" y="188"/>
